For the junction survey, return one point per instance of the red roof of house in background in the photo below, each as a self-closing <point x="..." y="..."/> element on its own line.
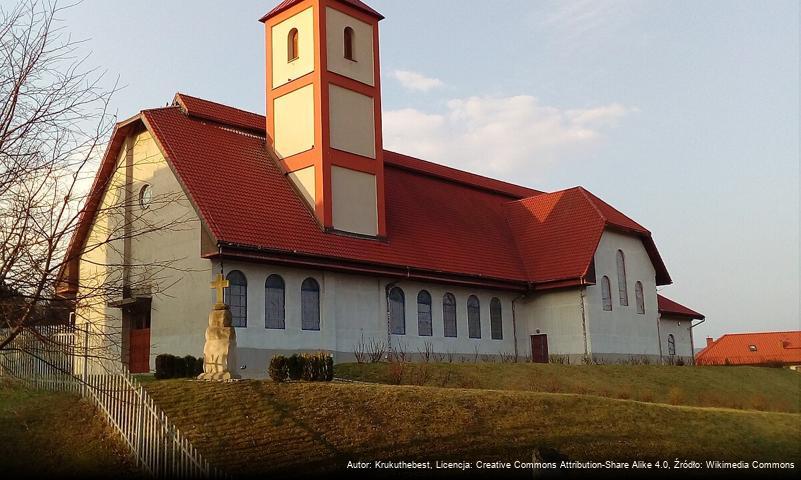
<point x="670" y="307"/>
<point x="287" y="4"/>
<point x="753" y="349"/>
<point x="441" y="222"/>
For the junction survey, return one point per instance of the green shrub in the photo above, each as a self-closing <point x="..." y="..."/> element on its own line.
<point x="295" y="367"/>
<point x="279" y="368"/>
<point x="170" y="366"/>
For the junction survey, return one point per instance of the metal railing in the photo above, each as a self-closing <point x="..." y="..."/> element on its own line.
<point x="58" y="358"/>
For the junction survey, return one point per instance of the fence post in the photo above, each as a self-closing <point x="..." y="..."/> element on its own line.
<point x="140" y="416"/>
<point x="85" y="360"/>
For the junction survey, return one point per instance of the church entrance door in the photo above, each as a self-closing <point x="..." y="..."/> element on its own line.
<point x="139" y="337"/>
<point x="539" y="348"/>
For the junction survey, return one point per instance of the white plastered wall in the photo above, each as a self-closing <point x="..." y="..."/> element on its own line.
<point x="682" y="332"/>
<point x="355" y="202"/>
<point x="352" y="118"/>
<point x="181" y="298"/>
<point x="559" y="314"/>
<point x="623" y="331"/>
<point x="284" y="70"/>
<point x="362" y="67"/>
<point x="294" y="122"/>
<point x="305" y="181"/>
<point x="353" y="309"/>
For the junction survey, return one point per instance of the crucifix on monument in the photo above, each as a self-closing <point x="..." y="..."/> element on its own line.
<point x="220" y="284"/>
<point x="219" y="353"/>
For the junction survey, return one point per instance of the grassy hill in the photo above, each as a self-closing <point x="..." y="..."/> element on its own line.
<point x="259" y="427"/>
<point x="753" y="388"/>
<point x="56" y="435"/>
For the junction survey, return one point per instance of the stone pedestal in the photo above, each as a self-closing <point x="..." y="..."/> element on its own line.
<point x="219" y="354"/>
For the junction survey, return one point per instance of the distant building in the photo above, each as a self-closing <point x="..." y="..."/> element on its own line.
<point x="752" y="349"/>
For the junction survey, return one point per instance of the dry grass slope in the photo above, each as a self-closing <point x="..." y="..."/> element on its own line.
<point x="56" y="435"/>
<point x="260" y="427"/>
<point x="766" y="389"/>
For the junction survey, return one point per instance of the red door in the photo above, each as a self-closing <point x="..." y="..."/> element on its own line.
<point x="139" y="340"/>
<point x="539" y="348"/>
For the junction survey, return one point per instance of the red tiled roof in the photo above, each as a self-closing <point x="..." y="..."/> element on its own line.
<point x="286" y="4"/>
<point x="668" y="306"/>
<point x="557" y="234"/>
<point x="753" y="349"/>
<point x="442" y="223"/>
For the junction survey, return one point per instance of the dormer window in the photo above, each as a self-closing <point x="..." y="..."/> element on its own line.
<point x="292" y="45"/>
<point x="752" y="348"/>
<point x="349" y="34"/>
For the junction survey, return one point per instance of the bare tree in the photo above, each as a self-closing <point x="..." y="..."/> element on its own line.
<point x="54" y="124"/>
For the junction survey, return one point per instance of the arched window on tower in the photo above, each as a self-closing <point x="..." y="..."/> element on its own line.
<point x="236" y="296"/>
<point x="349" y="36"/>
<point x="638" y="293"/>
<point x="473" y="317"/>
<point x="606" y="293"/>
<point x="274" y="296"/>
<point x="424" y="328"/>
<point x="449" y="315"/>
<point x="293" y="51"/>
<point x="496" y="321"/>
<point x="621" y="279"/>
<point x="310" y="304"/>
<point x="671" y="345"/>
<point x="397" y="311"/>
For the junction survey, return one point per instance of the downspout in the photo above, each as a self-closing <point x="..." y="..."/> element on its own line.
<point x="584" y="322"/>
<point x="692" y="342"/>
<point x="659" y="336"/>
<point x="514" y="320"/>
<point x="387" y="289"/>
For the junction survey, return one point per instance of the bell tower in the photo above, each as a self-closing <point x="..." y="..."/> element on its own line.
<point x="324" y="109"/>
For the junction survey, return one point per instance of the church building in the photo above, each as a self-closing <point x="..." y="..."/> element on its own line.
<point x="331" y="243"/>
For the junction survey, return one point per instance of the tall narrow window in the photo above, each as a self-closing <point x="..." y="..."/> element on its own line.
<point x="496" y="319"/>
<point x="424" y="328"/>
<point x="449" y="315"/>
<point x="274" y="296"/>
<point x="621" y="279"/>
<point x="473" y="317"/>
<point x="639" y="297"/>
<point x="236" y="296"/>
<point x="671" y="345"/>
<point x="397" y="311"/>
<point x="606" y="293"/>
<point x="310" y="304"/>
<point x="349" y="44"/>
<point x="293" y="51"/>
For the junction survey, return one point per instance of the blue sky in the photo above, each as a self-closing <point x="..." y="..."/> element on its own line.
<point x="682" y="114"/>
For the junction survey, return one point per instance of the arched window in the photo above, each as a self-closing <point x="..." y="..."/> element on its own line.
<point x="349" y="35"/>
<point x="640" y="297"/>
<point x="293" y="52"/>
<point x="473" y="317"/>
<point x="449" y="315"/>
<point x="397" y="311"/>
<point x="310" y="304"/>
<point x="424" y="328"/>
<point x="606" y="293"/>
<point x="236" y="296"/>
<point x="274" y="296"/>
<point x="496" y="321"/>
<point x="671" y="345"/>
<point x="621" y="279"/>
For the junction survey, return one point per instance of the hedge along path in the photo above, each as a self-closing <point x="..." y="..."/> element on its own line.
<point x="283" y="427"/>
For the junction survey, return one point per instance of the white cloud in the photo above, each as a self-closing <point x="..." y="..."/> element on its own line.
<point x="416" y="81"/>
<point x="505" y="137"/>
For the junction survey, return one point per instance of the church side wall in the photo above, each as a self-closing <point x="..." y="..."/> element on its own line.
<point x="682" y="332"/>
<point x="354" y="312"/>
<point x="557" y="314"/>
<point x="623" y="332"/>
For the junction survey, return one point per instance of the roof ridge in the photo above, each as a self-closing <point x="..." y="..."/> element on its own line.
<point x="584" y="193"/>
<point x="217" y="103"/>
<point x="759" y="333"/>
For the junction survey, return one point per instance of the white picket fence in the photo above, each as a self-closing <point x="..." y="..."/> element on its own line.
<point x="58" y="358"/>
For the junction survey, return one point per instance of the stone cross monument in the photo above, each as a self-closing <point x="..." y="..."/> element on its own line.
<point x="219" y="354"/>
